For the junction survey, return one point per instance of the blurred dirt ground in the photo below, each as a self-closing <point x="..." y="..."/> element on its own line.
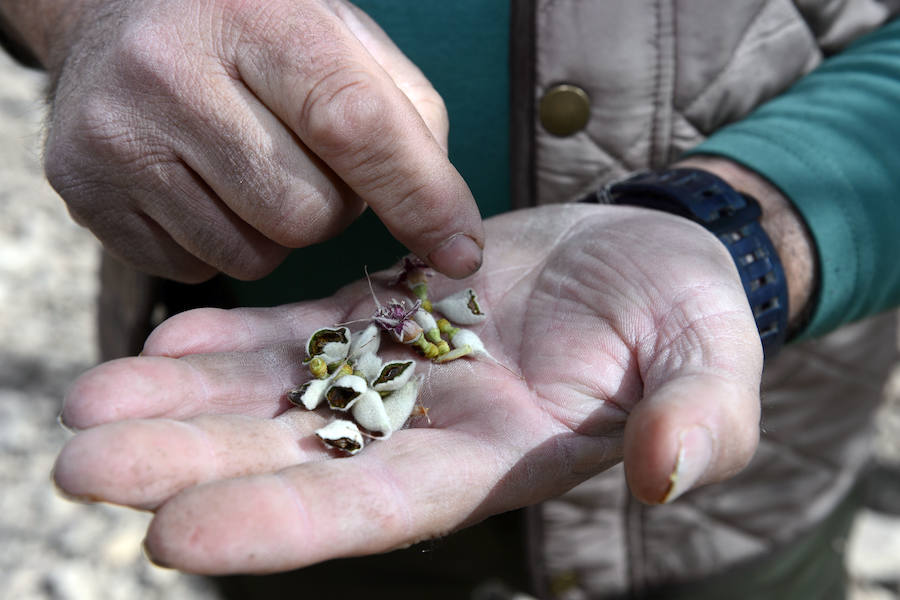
<point x="54" y="549"/>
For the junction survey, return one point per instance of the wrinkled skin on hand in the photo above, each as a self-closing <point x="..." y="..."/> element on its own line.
<point x="203" y="135"/>
<point x="629" y="328"/>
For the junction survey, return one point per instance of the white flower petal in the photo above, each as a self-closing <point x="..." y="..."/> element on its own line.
<point x="394" y="375"/>
<point x="399" y="404"/>
<point x="310" y="394"/>
<point x="369" y="412"/>
<point x="464" y="337"/>
<point x="366" y="341"/>
<point x="345" y="391"/>
<point x="461" y="308"/>
<point x="343" y="435"/>
<point x="331" y="345"/>
<point x="369" y="365"/>
<point x="425" y="320"/>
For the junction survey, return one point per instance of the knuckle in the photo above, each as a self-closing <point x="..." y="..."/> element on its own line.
<point x="95" y="143"/>
<point x="386" y="510"/>
<point x="298" y="214"/>
<point x="345" y="115"/>
<point x="150" y="59"/>
<point x="58" y="169"/>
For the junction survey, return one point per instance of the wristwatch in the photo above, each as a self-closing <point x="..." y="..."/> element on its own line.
<point x="732" y="217"/>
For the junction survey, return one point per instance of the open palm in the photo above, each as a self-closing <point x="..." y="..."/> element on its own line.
<point x="618" y="333"/>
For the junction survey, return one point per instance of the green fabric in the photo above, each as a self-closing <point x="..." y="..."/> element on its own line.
<point x="832" y="145"/>
<point x="463" y="49"/>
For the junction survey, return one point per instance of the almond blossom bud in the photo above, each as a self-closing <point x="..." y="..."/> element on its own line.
<point x="310" y="394"/>
<point x="465" y="343"/>
<point x="368" y="365"/>
<point x="331" y="345"/>
<point x="428" y="324"/>
<point x="461" y="307"/>
<point x="399" y="404"/>
<point x="318" y="367"/>
<point x="344" y="391"/>
<point x="370" y="414"/>
<point x="394" y="375"/>
<point x="366" y="341"/>
<point x="409" y="332"/>
<point x="342" y="435"/>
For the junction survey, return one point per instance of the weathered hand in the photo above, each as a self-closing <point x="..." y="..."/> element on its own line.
<point x="629" y="328"/>
<point x="196" y="136"/>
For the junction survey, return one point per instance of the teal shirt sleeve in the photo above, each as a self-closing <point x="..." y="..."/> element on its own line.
<point x="831" y="144"/>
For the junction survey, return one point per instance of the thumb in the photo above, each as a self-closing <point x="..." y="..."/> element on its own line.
<point x="694" y="428"/>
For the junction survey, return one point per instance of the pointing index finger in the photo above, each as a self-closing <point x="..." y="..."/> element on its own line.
<point x="344" y="105"/>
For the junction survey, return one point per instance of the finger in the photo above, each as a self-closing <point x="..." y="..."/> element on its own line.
<point x="198" y="221"/>
<point x="213" y="330"/>
<point x="209" y="330"/>
<point x="404" y="73"/>
<point x="139" y="241"/>
<point x="252" y="384"/>
<point x="143" y="463"/>
<point x="392" y="495"/>
<point x="349" y="112"/>
<point x="162" y="241"/>
<point x="259" y="168"/>
<point x="102" y="166"/>
<point x="696" y="425"/>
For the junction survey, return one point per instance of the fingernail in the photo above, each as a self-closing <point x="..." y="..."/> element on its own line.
<point x="62" y="423"/>
<point x="457" y="257"/>
<point x="694" y="456"/>
<point x="78" y="499"/>
<point x="149" y="555"/>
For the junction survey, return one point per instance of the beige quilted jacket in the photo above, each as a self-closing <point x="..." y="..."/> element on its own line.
<point x="661" y="75"/>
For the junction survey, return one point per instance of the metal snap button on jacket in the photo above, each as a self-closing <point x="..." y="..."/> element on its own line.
<point x="565" y="109"/>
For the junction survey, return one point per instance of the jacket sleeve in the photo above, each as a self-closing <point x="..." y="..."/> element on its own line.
<point x="831" y="144"/>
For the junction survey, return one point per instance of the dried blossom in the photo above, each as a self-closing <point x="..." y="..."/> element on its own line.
<point x="397" y="318"/>
<point x="465" y="343"/>
<point x="394" y="375"/>
<point x="310" y="394"/>
<point x="399" y="404"/>
<point x="331" y="345"/>
<point x="344" y="391"/>
<point x="368" y="366"/>
<point x="366" y="341"/>
<point x="342" y="435"/>
<point x="351" y="377"/>
<point x="428" y="324"/>
<point x="370" y="414"/>
<point x="413" y="272"/>
<point x="462" y="307"/>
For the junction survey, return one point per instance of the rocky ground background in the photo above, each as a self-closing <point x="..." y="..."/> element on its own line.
<point x="54" y="549"/>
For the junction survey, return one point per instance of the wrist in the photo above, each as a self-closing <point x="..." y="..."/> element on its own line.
<point x="784" y="226"/>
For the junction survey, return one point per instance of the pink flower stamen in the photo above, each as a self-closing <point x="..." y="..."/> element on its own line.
<point x="394" y="315"/>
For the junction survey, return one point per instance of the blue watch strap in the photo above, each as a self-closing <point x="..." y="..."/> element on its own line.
<point x="732" y="217"/>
